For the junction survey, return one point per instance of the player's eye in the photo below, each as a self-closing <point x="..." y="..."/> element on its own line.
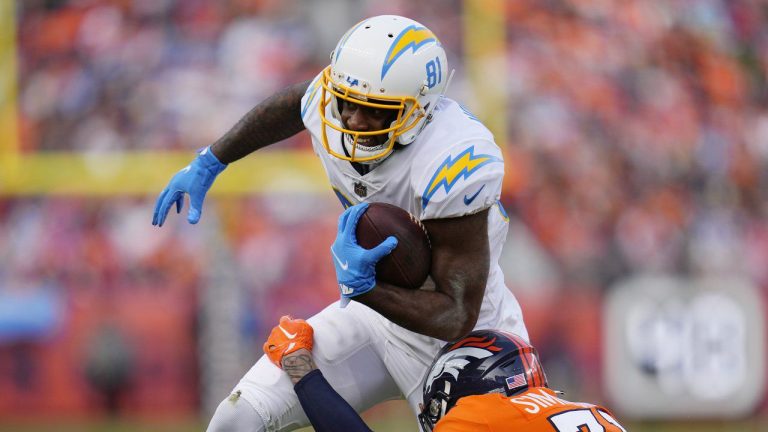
<point x="380" y="112"/>
<point x="347" y="105"/>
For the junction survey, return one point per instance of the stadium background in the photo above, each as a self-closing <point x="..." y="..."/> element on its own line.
<point x="635" y="133"/>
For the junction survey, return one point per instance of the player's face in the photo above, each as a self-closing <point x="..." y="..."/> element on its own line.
<point x="360" y="118"/>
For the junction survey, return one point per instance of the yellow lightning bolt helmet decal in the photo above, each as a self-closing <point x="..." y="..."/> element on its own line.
<point x="451" y="170"/>
<point x="411" y="37"/>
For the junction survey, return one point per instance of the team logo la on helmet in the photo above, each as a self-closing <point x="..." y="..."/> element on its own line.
<point x="385" y="62"/>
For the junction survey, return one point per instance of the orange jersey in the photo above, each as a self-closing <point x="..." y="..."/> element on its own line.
<point x="537" y="410"/>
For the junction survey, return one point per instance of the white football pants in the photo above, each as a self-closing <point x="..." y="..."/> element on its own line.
<point x="365" y="357"/>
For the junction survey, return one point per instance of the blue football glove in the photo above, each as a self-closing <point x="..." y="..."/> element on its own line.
<point x="355" y="265"/>
<point x="194" y="179"/>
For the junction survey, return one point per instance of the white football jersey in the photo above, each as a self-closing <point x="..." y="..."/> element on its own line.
<point x="453" y="168"/>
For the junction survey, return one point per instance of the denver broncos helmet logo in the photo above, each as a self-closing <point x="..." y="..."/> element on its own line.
<point x="476" y="342"/>
<point x="412" y="37"/>
<point x="454" y="361"/>
<point x="459" y="355"/>
<point x="451" y="170"/>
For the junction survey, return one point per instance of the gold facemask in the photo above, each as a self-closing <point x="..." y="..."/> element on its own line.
<point x="408" y="114"/>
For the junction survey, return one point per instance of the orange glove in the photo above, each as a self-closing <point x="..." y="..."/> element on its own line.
<point x="289" y="336"/>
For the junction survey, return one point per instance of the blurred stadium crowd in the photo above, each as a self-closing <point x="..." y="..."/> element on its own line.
<point x="637" y="142"/>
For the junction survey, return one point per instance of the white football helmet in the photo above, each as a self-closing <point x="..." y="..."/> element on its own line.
<point x="385" y="62"/>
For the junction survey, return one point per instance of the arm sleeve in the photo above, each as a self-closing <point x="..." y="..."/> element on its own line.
<point x="326" y="409"/>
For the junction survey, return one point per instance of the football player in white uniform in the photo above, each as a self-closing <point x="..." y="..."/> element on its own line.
<point x="384" y="132"/>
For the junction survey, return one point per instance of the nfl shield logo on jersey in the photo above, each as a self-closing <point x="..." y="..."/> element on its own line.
<point x="361" y="190"/>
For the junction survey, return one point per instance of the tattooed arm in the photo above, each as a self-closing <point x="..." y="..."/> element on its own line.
<point x="275" y="119"/>
<point x="325" y="409"/>
<point x="297" y="364"/>
<point x="289" y="347"/>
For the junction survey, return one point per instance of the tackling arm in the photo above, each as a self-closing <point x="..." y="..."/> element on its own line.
<point x="289" y="347"/>
<point x="324" y="407"/>
<point x="460" y="265"/>
<point x="275" y="119"/>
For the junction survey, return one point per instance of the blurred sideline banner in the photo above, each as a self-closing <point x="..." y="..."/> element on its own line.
<point x="141" y="173"/>
<point x="682" y="348"/>
<point x="145" y="173"/>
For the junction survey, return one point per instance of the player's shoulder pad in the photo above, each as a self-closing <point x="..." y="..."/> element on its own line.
<point x="463" y="417"/>
<point x="310" y="100"/>
<point x="480" y="412"/>
<point x="460" y="180"/>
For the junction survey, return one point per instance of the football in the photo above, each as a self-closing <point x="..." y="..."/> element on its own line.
<point x="409" y="263"/>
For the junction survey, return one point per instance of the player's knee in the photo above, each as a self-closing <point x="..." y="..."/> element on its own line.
<point x="236" y="416"/>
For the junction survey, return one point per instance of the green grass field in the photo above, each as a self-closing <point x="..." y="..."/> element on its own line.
<point x="388" y="417"/>
<point x="380" y="425"/>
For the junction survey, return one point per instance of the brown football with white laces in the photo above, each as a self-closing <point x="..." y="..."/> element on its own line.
<point x="409" y="263"/>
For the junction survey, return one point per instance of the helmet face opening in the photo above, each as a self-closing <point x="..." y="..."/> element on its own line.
<point x="483" y="362"/>
<point x="406" y="113"/>
<point x="382" y="62"/>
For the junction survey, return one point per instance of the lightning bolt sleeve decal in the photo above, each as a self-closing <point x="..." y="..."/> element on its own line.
<point x="451" y="170"/>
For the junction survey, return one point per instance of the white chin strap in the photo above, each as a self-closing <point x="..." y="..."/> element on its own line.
<point x="363" y="151"/>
